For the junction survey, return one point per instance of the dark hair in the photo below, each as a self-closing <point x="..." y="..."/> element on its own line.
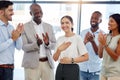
<point x="68" y="17"/>
<point x="35" y="4"/>
<point x="116" y="17"/>
<point x="98" y="12"/>
<point x="4" y="4"/>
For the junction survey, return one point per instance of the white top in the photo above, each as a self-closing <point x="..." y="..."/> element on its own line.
<point x="39" y="30"/>
<point x="77" y="48"/>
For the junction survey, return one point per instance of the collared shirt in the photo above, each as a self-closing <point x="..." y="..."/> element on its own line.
<point x="94" y="63"/>
<point x="39" y="30"/>
<point x="7" y="45"/>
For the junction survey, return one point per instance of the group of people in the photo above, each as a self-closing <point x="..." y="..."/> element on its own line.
<point x="92" y="55"/>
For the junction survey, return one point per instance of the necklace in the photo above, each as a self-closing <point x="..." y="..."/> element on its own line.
<point x="109" y="41"/>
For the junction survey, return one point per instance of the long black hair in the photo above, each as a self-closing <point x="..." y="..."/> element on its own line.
<point x="116" y="17"/>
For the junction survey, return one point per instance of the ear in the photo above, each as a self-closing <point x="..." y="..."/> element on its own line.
<point x="30" y="13"/>
<point x="1" y="12"/>
<point x="100" y="20"/>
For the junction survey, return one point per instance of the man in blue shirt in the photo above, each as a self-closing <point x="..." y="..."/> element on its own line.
<point x="90" y="69"/>
<point x="10" y="39"/>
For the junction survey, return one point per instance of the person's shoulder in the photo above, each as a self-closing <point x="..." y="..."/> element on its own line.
<point x="60" y="38"/>
<point x="84" y="30"/>
<point x="29" y="22"/>
<point x="77" y="36"/>
<point x="45" y="23"/>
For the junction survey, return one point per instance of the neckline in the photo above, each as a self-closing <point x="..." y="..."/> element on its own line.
<point x="70" y="36"/>
<point x="115" y="35"/>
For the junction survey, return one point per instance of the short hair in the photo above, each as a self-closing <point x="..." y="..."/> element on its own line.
<point x="4" y="4"/>
<point x="98" y="12"/>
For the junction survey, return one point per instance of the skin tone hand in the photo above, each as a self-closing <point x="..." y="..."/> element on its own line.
<point x="61" y="48"/>
<point x="64" y="46"/>
<point x="88" y="37"/>
<point x="102" y="38"/>
<point x="20" y="28"/>
<point x="45" y="38"/>
<point x="16" y="33"/>
<point x="39" y="41"/>
<point x="65" y="60"/>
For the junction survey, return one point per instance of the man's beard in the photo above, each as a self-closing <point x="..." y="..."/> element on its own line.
<point x="94" y="25"/>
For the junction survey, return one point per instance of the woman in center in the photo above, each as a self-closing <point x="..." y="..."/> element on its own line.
<point x="70" y="50"/>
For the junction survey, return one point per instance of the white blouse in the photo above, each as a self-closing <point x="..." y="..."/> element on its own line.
<point x="76" y="49"/>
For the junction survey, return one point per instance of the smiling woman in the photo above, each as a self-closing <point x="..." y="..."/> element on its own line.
<point x="68" y="52"/>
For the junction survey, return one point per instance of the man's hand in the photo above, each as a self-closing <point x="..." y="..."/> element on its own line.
<point x="45" y="38"/>
<point x="15" y="35"/>
<point x="20" y="28"/>
<point x="39" y="41"/>
<point x="89" y="37"/>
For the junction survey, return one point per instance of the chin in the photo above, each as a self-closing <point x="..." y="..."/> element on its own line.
<point x="109" y="28"/>
<point x="10" y="19"/>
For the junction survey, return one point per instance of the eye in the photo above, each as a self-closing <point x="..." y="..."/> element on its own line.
<point x="62" y="22"/>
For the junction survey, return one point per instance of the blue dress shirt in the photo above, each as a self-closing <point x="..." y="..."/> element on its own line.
<point x="7" y="45"/>
<point x="94" y="63"/>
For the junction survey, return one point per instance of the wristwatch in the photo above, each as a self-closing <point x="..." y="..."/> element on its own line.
<point x="72" y="60"/>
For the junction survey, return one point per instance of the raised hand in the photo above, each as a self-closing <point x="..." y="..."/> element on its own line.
<point x="20" y="28"/>
<point x="45" y="38"/>
<point x="15" y="35"/>
<point x="102" y="38"/>
<point x="39" y="41"/>
<point x="89" y="37"/>
<point x="86" y="39"/>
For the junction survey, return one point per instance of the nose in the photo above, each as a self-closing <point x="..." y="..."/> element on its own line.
<point x="12" y="13"/>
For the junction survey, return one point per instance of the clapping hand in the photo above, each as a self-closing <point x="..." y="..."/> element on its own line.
<point x="39" y="41"/>
<point x="45" y="38"/>
<point x="20" y="28"/>
<point x="89" y="37"/>
<point x="102" y="38"/>
<point x="16" y="33"/>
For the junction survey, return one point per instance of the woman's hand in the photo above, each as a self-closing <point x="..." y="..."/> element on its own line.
<point x="64" y="46"/>
<point x="66" y="60"/>
<point x="102" y="38"/>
